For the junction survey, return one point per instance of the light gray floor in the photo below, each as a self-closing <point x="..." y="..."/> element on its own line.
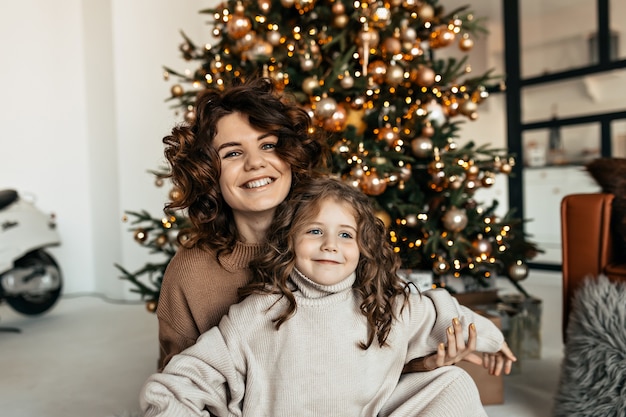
<point x="89" y="358"/>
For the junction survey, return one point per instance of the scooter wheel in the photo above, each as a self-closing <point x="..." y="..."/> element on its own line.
<point x="45" y="268"/>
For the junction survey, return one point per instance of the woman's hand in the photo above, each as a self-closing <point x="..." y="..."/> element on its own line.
<point x="456" y="350"/>
<point x="500" y="361"/>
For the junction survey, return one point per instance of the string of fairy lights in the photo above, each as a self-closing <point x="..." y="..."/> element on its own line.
<point x="368" y="74"/>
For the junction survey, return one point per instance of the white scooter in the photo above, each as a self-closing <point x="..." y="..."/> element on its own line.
<point x="30" y="279"/>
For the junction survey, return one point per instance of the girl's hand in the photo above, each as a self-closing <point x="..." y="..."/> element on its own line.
<point x="457" y="350"/>
<point x="500" y="361"/>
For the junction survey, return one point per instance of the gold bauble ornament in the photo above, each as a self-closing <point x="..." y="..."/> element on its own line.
<point x="357" y="171"/>
<point x="377" y="70"/>
<point x="422" y="147"/>
<point x="381" y="16"/>
<point x="190" y="116"/>
<point x="338" y="7"/>
<point x="238" y="26"/>
<point x="518" y="271"/>
<point x="287" y="3"/>
<point x="426" y="12"/>
<point x="468" y="107"/>
<point x="384" y="216"/>
<point x="325" y="108"/>
<point x="174" y="194"/>
<point x="472" y="171"/>
<point x="372" y="184"/>
<point x="388" y="134"/>
<point x="140" y="235"/>
<point x="310" y="84"/>
<point x="441" y="37"/>
<point x="161" y="240"/>
<point x="394" y="75"/>
<point x="342" y="146"/>
<point x="259" y="50"/>
<point x="405" y="172"/>
<point x="336" y="122"/>
<point x="264" y="5"/>
<point x="151" y="306"/>
<point x="340" y="21"/>
<point x="455" y="182"/>
<point x="347" y="81"/>
<point x="246" y="42"/>
<point x="488" y="179"/>
<point x="408" y="34"/>
<point x="177" y="90"/>
<point x="482" y="246"/>
<point x="273" y="37"/>
<point x="466" y="43"/>
<point x="391" y="46"/>
<point x="423" y="75"/>
<point x="428" y="130"/>
<point x="455" y="219"/>
<point x="307" y="63"/>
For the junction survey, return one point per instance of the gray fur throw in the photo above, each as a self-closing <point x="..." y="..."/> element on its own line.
<point x="593" y="371"/>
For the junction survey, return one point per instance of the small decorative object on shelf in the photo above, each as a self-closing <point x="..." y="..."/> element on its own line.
<point x="556" y="152"/>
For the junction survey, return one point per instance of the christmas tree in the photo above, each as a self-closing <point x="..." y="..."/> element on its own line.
<point x="369" y="76"/>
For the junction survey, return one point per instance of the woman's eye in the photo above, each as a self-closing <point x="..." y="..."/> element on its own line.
<point x="231" y="154"/>
<point x="268" y="146"/>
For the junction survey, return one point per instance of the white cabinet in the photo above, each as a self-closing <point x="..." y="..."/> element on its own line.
<point x="544" y="188"/>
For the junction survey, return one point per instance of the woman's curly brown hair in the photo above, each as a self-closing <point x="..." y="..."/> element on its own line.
<point x="195" y="165"/>
<point x="377" y="282"/>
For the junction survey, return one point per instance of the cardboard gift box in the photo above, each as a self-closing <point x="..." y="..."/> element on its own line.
<point x="490" y="387"/>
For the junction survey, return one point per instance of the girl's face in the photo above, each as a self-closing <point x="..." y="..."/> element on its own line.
<point x="254" y="179"/>
<point x="326" y="247"/>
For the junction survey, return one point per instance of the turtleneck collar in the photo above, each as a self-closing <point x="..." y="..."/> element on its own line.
<point x="240" y="256"/>
<point x="311" y="289"/>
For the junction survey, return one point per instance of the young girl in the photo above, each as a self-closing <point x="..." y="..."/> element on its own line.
<point x="325" y="328"/>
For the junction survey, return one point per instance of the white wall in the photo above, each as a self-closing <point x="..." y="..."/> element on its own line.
<point x="83" y="115"/>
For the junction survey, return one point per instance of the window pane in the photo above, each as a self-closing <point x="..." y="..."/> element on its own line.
<point x="578" y="144"/>
<point x="617" y="19"/>
<point x="590" y="94"/>
<point x="554" y="35"/>
<point x="618" y="138"/>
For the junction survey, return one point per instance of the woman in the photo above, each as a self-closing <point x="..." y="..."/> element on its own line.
<point x="238" y="161"/>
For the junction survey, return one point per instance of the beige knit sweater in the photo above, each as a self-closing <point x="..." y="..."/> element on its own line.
<point x="313" y="366"/>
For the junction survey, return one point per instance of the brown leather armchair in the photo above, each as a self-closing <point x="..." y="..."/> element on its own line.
<point x="587" y="244"/>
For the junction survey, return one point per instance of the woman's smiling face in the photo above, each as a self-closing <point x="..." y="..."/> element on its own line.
<point x="253" y="179"/>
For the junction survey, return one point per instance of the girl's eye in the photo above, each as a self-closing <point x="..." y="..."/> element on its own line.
<point x="314" y="232"/>
<point x="346" y="235"/>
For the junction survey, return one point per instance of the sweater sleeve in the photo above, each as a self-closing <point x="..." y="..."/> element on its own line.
<point x="177" y="328"/>
<point x="434" y="311"/>
<point x="202" y="377"/>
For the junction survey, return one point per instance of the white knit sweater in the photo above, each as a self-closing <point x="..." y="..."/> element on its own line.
<point x="312" y="365"/>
